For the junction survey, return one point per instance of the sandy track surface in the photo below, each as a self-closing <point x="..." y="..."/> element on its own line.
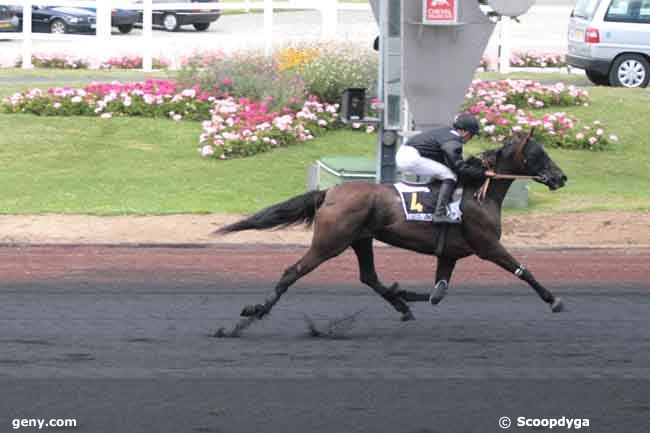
<point x="603" y="229"/>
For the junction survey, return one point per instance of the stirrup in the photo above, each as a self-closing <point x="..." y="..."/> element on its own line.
<point x="442" y="219"/>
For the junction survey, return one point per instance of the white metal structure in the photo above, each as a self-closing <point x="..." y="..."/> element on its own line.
<point x="506" y="37"/>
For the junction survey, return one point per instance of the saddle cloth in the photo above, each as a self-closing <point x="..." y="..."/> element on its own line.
<point x="419" y="201"/>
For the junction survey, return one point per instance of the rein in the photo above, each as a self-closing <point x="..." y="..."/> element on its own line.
<point x="481" y="194"/>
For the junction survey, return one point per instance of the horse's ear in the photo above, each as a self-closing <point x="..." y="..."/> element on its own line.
<point x="529" y="136"/>
<point x="519" y="153"/>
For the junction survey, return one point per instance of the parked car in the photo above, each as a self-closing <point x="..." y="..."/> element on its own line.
<point x="8" y="20"/>
<point x="610" y="40"/>
<point x="59" y="19"/>
<point x="171" y="20"/>
<point x="123" y="19"/>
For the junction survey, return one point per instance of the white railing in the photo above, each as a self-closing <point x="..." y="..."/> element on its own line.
<point x="329" y="10"/>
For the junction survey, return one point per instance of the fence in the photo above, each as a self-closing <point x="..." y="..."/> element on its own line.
<point x="329" y="10"/>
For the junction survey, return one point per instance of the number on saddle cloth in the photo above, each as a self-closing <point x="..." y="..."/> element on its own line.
<point x="419" y="201"/>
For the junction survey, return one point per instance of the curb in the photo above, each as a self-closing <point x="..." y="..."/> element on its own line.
<point x="290" y="246"/>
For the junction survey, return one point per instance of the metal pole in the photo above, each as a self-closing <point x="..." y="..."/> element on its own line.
<point x="27" y="36"/>
<point x="505" y="50"/>
<point x="329" y="13"/>
<point x="147" y="35"/>
<point x="268" y="27"/>
<point x="103" y="17"/>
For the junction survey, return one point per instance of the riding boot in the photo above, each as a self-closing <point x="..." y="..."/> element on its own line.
<point x="440" y="215"/>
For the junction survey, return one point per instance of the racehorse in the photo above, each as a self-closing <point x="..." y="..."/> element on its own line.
<point x="353" y="214"/>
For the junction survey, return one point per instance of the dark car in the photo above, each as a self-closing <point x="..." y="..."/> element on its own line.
<point x="123" y="19"/>
<point x="60" y="19"/>
<point x="8" y="20"/>
<point x="171" y="20"/>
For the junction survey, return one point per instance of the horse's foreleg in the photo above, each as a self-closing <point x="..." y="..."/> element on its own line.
<point x="368" y="276"/>
<point x="443" y="277"/>
<point x="499" y="255"/>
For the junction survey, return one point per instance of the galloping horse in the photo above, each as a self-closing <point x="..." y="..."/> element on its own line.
<point x="353" y="214"/>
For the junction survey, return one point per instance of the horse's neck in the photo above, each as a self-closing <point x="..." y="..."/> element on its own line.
<point x="498" y="190"/>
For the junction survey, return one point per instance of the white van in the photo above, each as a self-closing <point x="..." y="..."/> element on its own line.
<point x="610" y="40"/>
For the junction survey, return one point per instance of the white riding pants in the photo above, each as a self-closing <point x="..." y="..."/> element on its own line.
<point x="409" y="161"/>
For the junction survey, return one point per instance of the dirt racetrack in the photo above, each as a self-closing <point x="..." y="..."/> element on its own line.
<point x="119" y="339"/>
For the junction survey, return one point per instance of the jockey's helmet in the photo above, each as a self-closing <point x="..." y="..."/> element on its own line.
<point x="468" y="123"/>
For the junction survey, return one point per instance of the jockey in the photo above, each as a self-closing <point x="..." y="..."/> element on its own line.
<point x="438" y="153"/>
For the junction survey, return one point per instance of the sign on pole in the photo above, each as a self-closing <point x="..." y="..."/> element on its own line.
<point x="440" y="12"/>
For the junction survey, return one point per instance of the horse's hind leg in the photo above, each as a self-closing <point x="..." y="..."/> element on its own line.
<point x="368" y="276"/>
<point x="332" y="236"/>
<point x="293" y="273"/>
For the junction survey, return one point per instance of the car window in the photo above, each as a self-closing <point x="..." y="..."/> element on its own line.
<point x="585" y="9"/>
<point x="629" y="11"/>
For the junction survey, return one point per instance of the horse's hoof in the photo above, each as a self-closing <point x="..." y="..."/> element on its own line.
<point x="557" y="306"/>
<point x="407" y="317"/>
<point x="253" y="311"/>
<point x="221" y="333"/>
<point x="439" y="292"/>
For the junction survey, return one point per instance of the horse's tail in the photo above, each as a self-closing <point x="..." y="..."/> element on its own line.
<point x="297" y="210"/>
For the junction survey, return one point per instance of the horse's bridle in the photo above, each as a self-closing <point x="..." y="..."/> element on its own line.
<point x="482" y="191"/>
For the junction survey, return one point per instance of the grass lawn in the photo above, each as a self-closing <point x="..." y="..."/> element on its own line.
<point x="151" y="166"/>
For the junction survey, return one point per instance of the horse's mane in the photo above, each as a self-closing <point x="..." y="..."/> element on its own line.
<point x="478" y="161"/>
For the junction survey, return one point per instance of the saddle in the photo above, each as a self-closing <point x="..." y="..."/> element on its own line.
<point x="419" y="200"/>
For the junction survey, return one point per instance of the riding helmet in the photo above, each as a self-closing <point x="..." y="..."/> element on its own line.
<point x="468" y="123"/>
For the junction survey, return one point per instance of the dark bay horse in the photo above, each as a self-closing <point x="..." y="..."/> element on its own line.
<point x="353" y="214"/>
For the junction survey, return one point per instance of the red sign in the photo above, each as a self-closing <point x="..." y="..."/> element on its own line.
<point x="440" y="11"/>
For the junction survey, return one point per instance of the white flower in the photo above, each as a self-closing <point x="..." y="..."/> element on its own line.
<point x="599" y="132"/>
<point x="613" y="138"/>
<point x="75" y="99"/>
<point x="207" y="150"/>
<point x="580" y="136"/>
<point x="57" y="105"/>
<point x="177" y="117"/>
<point x="106" y="115"/>
<point x="189" y="93"/>
<point x="593" y="140"/>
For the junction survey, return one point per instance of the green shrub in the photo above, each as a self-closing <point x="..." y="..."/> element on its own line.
<point x="338" y="68"/>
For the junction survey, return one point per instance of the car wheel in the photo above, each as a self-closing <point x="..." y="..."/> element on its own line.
<point x="125" y="28"/>
<point x="597" y="78"/>
<point x="170" y="22"/>
<point x="58" y="27"/>
<point x="201" y="27"/>
<point x="630" y="70"/>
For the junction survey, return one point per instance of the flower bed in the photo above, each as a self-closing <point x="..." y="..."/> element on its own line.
<point x="133" y="62"/>
<point x="152" y="98"/>
<point x="66" y="61"/>
<point x="243" y="128"/>
<point x="538" y="60"/>
<point x="528" y="60"/>
<point x="501" y="107"/>
<point x="56" y="61"/>
<point x="239" y="126"/>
